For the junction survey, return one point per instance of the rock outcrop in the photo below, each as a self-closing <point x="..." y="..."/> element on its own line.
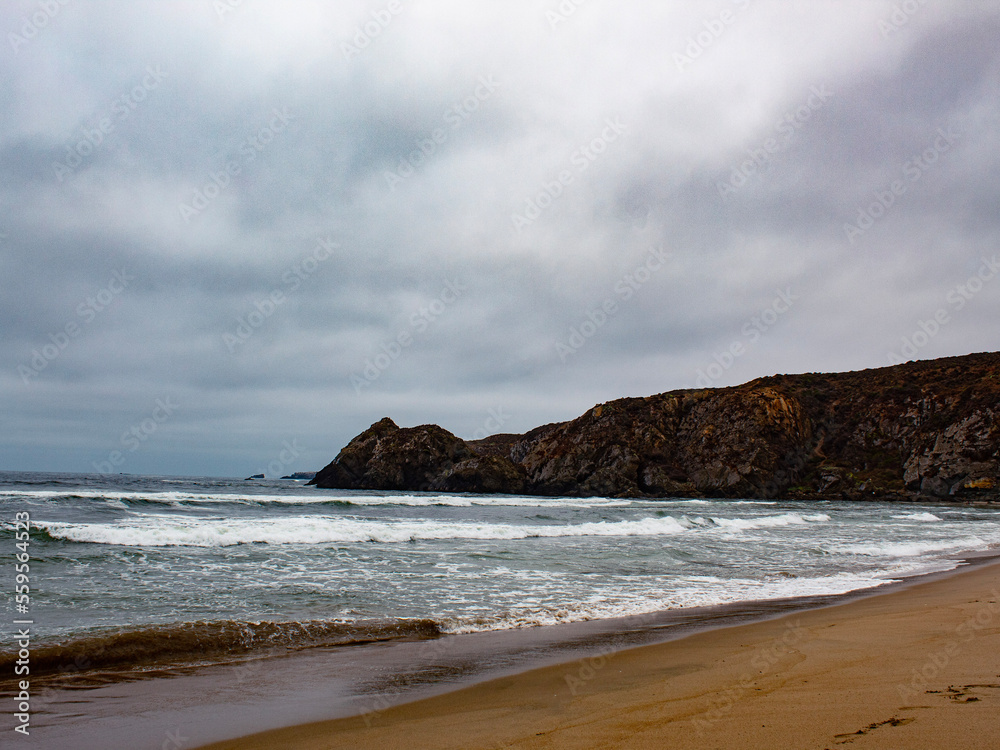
<point x="424" y="458"/>
<point x="917" y="430"/>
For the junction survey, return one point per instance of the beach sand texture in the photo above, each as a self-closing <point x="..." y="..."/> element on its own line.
<point x="914" y="668"/>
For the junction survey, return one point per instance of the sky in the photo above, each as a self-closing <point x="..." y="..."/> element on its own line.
<point x="234" y="234"/>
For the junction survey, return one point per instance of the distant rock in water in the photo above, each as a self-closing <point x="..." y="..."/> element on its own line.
<point x="917" y="430"/>
<point x="301" y="475"/>
<point x="255" y="476"/>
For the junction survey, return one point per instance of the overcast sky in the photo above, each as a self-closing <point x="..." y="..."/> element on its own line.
<point x="235" y="234"/>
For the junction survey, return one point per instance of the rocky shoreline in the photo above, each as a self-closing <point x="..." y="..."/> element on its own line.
<point x="919" y="430"/>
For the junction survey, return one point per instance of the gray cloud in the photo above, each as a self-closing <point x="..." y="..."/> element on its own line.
<point x="206" y="156"/>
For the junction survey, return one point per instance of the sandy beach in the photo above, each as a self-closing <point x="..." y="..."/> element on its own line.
<point x="917" y="667"/>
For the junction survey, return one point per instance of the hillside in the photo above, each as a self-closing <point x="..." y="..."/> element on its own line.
<point x="926" y="429"/>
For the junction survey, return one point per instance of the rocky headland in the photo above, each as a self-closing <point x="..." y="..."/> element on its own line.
<point x="920" y="430"/>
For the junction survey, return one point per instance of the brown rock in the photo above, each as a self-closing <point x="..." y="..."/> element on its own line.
<point x="489" y="474"/>
<point x="387" y="457"/>
<point x="921" y="429"/>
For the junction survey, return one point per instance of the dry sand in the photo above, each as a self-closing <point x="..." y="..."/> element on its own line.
<point x="914" y="668"/>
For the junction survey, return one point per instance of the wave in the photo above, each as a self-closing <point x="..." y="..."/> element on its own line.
<point x="170" y="497"/>
<point x="151" y="646"/>
<point x="468" y="501"/>
<point x="171" y="531"/>
<point x="693" y="591"/>
<point x="168" y="531"/>
<point x="763" y="522"/>
<point x="914" y="549"/>
<point x="917" y="517"/>
<point x="179" y="498"/>
<point x="37" y="482"/>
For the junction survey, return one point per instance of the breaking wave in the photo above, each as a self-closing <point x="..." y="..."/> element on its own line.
<point x="169" y="531"/>
<point x="148" y="647"/>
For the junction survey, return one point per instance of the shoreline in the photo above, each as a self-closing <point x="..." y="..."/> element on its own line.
<point x="503" y="606"/>
<point x="215" y="702"/>
<point x="574" y="703"/>
<point x="648" y="628"/>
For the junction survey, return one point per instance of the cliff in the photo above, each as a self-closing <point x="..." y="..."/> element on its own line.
<point x="917" y="430"/>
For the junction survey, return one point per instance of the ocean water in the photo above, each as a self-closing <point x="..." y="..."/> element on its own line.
<point x="138" y="570"/>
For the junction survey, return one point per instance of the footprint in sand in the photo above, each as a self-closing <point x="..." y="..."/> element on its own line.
<point x="843" y="739"/>
<point x="962" y="693"/>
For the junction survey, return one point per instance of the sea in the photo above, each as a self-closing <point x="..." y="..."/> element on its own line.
<point x="149" y="595"/>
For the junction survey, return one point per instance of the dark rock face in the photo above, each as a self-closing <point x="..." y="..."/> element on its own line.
<point x="428" y="457"/>
<point x="921" y="429"/>
<point x="724" y="443"/>
<point x="387" y="457"/>
<point x="490" y="474"/>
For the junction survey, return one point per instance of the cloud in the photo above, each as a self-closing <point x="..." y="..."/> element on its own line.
<point x="208" y="154"/>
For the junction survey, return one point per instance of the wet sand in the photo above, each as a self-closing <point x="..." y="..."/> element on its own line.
<point x="149" y="708"/>
<point x="917" y="667"/>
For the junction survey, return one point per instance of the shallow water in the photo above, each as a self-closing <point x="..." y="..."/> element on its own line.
<point x="127" y="555"/>
<point x="202" y="608"/>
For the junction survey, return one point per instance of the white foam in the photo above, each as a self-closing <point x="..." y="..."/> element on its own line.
<point x="913" y="549"/>
<point x="159" y="530"/>
<point x="177" y="498"/>
<point x="695" y="591"/>
<point x="917" y="517"/>
<point x="785" y="519"/>
<point x="502" y="501"/>
<point x="164" y="531"/>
